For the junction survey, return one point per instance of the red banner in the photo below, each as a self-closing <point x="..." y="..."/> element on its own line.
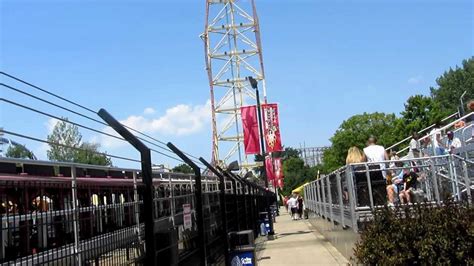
<point x="250" y="128"/>
<point x="269" y="168"/>
<point x="278" y="168"/>
<point x="280" y="183"/>
<point x="271" y="127"/>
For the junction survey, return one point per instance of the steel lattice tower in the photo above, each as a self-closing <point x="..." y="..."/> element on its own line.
<point x="233" y="52"/>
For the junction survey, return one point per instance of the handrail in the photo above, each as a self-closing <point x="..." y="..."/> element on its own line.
<point x="421" y="131"/>
<point x="441" y="129"/>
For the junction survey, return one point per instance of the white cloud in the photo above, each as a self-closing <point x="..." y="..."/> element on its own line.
<point x="180" y="120"/>
<point x="149" y="111"/>
<point x="415" y="80"/>
<point x="41" y="150"/>
<point x="50" y="124"/>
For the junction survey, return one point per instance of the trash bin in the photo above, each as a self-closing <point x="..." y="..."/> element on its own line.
<point x="242" y="248"/>
<point x="263" y="223"/>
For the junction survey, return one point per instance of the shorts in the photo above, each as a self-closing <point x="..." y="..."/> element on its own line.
<point x="294" y="210"/>
<point x="397" y="188"/>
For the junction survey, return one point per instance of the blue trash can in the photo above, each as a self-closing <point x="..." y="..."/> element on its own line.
<point x="243" y="256"/>
<point x="242" y="248"/>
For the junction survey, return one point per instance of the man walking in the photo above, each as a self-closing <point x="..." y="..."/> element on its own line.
<point x="293" y="205"/>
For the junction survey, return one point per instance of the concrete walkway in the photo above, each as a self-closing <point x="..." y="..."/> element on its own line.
<point x="298" y="243"/>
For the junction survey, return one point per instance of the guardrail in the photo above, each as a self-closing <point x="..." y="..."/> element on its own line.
<point x="95" y="215"/>
<point x="348" y="195"/>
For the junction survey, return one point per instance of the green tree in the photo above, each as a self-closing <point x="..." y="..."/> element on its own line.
<point x="296" y="174"/>
<point x="354" y="132"/>
<point x="420" y="112"/>
<point x="452" y="84"/>
<point x="72" y="149"/>
<point x="183" y="168"/>
<point x="288" y="152"/>
<point x="89" y="154"/>
<point x="19" y="151"/>
<point x="68" y="135"/>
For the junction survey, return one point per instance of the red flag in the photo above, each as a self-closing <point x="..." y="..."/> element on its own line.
<point x="250" y="127"/>
<point x="271" y="127"/>
<point x="269" y="168"/>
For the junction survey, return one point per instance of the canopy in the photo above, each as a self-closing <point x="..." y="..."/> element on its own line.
<point x="299" y="189"/>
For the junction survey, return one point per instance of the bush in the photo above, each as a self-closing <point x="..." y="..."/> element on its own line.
<point x="422" y="234"/>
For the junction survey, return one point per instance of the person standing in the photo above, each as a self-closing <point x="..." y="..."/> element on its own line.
<point x="376" y="153"/>
<point x="293" y="205"/>
<point x="300" y="207"/>
<point x="414" y="151"/>
<point x="453" y="143"/>
<point x="435" y="135"/>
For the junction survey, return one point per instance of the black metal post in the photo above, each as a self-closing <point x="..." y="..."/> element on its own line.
<point x="223" y="208"/>
<point x="147" y="180"/>
<point x="198" y="194"/>
<point x="234" y="188"/>
<point x="254" y="85"/>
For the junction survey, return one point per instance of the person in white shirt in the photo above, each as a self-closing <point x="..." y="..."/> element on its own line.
<point x="293" y="206"/>
<point x="376" y="153"/>
<point x="414" y="151"/>
<point x="453" y="143"/>
<point x="435" y="136"/>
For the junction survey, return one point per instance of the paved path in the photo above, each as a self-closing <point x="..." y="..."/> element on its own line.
<point x="298" y="243"/>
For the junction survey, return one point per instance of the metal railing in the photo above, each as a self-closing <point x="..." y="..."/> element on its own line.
<point x="348" y="195"/>
<point x="462" y="133"/>
<point x="73" y="214"/>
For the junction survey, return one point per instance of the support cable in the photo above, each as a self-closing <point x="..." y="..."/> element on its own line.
<point x="196" y="159"/>
<point x="79" y="125"/>
<point x="66" y="146"/>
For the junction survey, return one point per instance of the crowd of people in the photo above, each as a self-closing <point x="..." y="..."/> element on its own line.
<point x="402" y="176"/>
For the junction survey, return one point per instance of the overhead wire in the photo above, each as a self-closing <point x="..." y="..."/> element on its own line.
<point x="83" y="107"/>
<point x="78" y="125"/>
<point x="66" y="146"/>
<point x="195" y="159"/>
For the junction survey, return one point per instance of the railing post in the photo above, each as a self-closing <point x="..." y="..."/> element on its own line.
<point x="199" y="212"/>
<point x="136" y="204"/>
<point x="369" y="185"/>
<point x="454" y="176"/>
<point x="468" y="182"/>
<point x="318" y="193"/>
<point x="352" y="196"/>
<point x="341" y="204"/>
<point x="325" y="212"/>
<point x="435" y="181"/>
<point x="331" y="213"/>
<point x="75" y="216"/>
<point x="223" y="208"/>
<point x="147" y="179"/>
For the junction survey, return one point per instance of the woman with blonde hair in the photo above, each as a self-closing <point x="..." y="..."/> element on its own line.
<point x="355" y="155"/>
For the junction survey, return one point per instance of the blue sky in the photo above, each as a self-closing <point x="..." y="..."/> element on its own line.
<point x="324" y="61"/>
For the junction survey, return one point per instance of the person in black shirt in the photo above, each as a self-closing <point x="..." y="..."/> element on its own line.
<point x="300" y="207"/>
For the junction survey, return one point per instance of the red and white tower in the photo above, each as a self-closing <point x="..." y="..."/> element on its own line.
<point x="233" y="52"/>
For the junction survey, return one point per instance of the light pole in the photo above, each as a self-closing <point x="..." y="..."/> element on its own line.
<point x="254" y="85"/>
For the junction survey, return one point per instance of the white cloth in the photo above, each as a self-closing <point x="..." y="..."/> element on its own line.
<point x="374" y="153"/>
<point x="454" y="144"/>
<point x="414" y="148"/>
<point x="292" y="203"/>
<point x="435" y="134"/>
